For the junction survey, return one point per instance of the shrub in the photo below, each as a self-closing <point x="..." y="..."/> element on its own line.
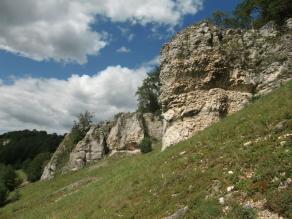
<point x="146" y="145"/>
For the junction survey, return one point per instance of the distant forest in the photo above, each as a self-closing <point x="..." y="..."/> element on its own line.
<point x="19" y="147"/>
<point x="25" y="151"/>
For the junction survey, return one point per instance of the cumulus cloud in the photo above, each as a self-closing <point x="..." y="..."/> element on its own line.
<point x="61" y="29"/>
<point x="50" y="29"/>
<point x="123" y="49"/>
<point x="52" y="104"/>
<point x="148" y="11"/>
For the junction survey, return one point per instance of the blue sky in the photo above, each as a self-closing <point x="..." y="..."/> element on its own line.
<point x="42" y="44"/>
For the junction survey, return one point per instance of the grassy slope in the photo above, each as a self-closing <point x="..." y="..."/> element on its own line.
<point x="157" y="184"/>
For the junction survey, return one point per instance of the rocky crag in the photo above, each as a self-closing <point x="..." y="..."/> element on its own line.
<point x="123" y="134"/>
<point x="206" y="74"/>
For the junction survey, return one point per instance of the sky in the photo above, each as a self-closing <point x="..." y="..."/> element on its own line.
<point x="59" y="58"/>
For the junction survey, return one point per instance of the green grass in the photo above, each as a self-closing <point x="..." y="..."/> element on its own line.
<point x="156" y="184"/>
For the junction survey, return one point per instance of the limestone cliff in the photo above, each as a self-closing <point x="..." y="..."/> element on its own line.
<point x="208" y="72"/>
<point x="123" y="134"/>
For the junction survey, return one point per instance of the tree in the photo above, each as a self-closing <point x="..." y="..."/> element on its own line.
<point x="8" y="182"/>
<point x="263" y="11"/>
<point x="84" y="120"/>
<point x="254" y="13"/>
<point x="222" y="19"/>
<point x="149" y="92"/>
<point x="25" y="145"/>
<point x="8" y="177"/>
<point x="3" y="193"/>
<point x="35" y="168"/>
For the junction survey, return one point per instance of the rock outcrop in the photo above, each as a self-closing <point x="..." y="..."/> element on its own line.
<point x="127" y="132"/>
<point x="123" y="134"/>
<point x="207" y="73"/>
<point x="131" y="128"/>
<point x="91" y="148"/>
<point x="153" y="126"/>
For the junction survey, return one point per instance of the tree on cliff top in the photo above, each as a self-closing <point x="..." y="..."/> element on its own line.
<point x="149" y="92"/>
<point x="254" y="13"/>
<point x="261" y="12"/>
<point x="84" y="120"/>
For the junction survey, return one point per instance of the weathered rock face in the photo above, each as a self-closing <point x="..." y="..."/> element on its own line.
<point x="207" y="73"/>
<point x="123" y="134"/>
<point x="127" y="132"/>
<point x="153" y="126"/>
<point x="91" y="148"/>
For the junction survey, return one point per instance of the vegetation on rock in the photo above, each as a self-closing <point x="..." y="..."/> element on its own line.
<point x="84" y="120"/>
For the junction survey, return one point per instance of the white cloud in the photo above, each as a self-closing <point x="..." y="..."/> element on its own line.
<point x="52" y="104"/>
<point x="147" y="11"/>
<point x="123" y="49"/>
<point x="61" y="29"/>
<point x="49" y="29"/>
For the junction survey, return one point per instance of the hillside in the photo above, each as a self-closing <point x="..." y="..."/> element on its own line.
<point x="236" y="168"/>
